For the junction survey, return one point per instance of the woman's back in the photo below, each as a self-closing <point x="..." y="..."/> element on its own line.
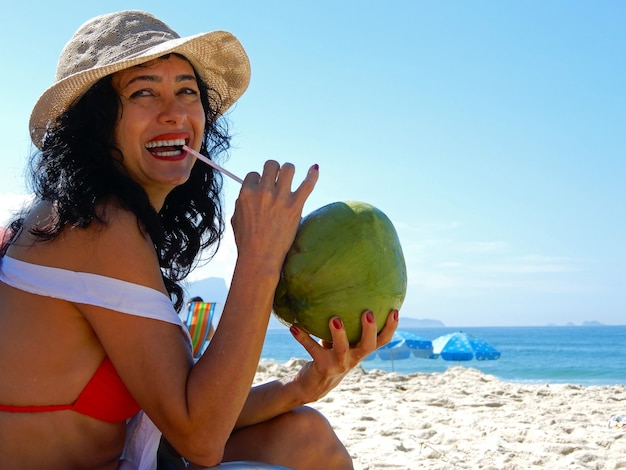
<point x="49" y="353"/>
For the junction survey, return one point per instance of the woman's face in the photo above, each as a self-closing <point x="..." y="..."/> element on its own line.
<point x="160" y="111"/>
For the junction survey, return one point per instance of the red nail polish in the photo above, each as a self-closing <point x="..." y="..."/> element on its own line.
<point x="315" y="167"/>
<point x="294" y="330"/>
<point x="369" y="316"/>
<point x="337" y="323"/>
<point x="396" y="314"/>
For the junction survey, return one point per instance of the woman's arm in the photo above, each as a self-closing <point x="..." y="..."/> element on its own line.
<point x="197" y="406"/>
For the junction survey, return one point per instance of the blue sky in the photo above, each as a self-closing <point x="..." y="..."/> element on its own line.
<point x="493" y="134"/>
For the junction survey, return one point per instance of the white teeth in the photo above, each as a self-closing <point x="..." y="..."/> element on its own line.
<point x="165" y="143"/>
<point x="167" y="154"/>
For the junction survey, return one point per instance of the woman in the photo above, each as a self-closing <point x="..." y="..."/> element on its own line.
<point x="89" y="291"/>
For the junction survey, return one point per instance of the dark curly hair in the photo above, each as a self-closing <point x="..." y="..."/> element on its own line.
<point x="78" y="171"/>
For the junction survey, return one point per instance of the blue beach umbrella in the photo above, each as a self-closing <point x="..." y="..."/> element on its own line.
<point x="402" y="344"/>
<point x="420" y="347"/>
<point x="396" y="343"/>
<point x="463" y="347"/>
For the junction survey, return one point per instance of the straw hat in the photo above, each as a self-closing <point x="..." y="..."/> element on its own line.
<point x="117" y="41"/>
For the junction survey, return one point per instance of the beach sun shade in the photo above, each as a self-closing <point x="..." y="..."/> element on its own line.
<point x="420" y="347"/>
<point x="463" y="347"/>
<point x="401" y="346"/>
<point x="199" y="318"/>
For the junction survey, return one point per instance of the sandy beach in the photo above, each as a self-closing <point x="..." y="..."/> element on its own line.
<point x="463" y="418"/>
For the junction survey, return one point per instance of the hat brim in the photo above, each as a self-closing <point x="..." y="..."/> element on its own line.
<point x="218" y="57"/>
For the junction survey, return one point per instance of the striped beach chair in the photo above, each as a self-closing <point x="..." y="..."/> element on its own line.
<point x="199" y="321"/>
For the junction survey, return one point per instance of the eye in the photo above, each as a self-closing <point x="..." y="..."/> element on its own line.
<point x="188" y="95"/>
<point x="188" y="91"/>
<point x="141" y="93"/>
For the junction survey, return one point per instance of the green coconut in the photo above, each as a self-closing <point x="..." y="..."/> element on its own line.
<point x="346" y="259"/>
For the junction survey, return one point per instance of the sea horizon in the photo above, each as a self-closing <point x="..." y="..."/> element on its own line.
<point x="578" y="354"/>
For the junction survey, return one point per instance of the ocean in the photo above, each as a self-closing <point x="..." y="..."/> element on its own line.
<point x="583" y="355"/>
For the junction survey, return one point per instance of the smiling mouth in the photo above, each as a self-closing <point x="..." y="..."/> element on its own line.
<point x="166" y="148"/>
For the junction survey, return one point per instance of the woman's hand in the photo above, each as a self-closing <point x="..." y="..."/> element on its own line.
<point x="267" y="212"/>
<point x="332" y="361"/>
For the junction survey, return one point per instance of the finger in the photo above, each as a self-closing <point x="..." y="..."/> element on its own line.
<point x="271" y="169"/>
<point x="305" y="340"/>
<point x="389" y="329"/>
<point x="368" y="341"/>
<point x="251" y="178"/>
<point x="339" y="336"/>
<point x="285" y="176"/>
<point x="308" y="184"/>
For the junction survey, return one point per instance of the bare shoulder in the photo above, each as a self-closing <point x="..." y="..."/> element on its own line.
<point x="115" y="246"/>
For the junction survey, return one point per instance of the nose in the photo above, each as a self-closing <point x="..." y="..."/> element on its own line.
<point x="172" y="112"/>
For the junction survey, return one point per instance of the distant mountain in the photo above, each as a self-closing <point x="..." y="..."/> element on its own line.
<point x="585" y="323"/>
<point x="592" y="323"/>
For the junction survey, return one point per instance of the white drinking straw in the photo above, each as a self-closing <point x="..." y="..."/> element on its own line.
<point x="199" y="156"/>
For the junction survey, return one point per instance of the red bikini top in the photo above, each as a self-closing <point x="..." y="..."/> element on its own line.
<point x="105" y="397"/>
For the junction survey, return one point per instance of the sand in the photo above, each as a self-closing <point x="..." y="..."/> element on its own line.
<point x="464" y="418"/>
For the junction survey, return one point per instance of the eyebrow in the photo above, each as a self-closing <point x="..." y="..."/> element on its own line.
<point x="158" y="79"/>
